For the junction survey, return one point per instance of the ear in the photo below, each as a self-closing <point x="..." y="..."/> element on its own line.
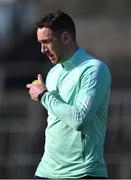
<point x="66" y="37"/>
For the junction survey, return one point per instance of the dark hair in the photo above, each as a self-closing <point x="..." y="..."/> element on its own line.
<point x="58" y="22"/>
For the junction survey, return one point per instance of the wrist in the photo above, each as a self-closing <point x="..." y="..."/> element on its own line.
<point x="41" y="94"/>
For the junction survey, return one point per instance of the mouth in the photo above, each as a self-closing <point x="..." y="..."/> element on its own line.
<point x="51" y="57"/>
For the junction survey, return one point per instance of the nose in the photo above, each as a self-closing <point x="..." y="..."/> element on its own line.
<point x="44" y="48"/>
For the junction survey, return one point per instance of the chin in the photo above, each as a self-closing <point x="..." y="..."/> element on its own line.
<point x="54" y="62"/>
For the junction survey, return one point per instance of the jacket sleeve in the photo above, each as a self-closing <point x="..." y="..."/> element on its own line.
<point x="94" y="86"/>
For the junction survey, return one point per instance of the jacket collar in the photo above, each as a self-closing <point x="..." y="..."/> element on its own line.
<point x="77" y="58"/>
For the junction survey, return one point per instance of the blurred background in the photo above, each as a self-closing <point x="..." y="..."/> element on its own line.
<point x="104" y="28"/>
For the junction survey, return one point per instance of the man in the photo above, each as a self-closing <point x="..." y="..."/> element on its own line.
<point x="76" y="96"/>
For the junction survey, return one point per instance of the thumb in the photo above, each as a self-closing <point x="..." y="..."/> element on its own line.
<point x="28" y="86"/>
<point x="40" y="79"/>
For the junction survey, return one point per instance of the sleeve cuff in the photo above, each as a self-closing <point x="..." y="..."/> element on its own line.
<point x="40" y="95"/>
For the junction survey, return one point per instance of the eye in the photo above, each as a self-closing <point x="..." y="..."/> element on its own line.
<point x="47" y="42"/>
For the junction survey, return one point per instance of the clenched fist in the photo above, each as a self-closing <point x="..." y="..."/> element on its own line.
<point x="35" y="89"/>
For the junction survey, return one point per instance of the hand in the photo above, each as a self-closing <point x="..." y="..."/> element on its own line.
<point x="36" y="89"/>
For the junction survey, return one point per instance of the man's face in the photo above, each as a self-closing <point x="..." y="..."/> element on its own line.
<point x="51" y="45"/>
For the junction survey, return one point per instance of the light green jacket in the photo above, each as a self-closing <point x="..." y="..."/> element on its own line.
<point x="77" y="104"/>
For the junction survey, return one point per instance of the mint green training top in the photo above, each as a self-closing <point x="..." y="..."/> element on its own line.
<point x="77" y="104"/>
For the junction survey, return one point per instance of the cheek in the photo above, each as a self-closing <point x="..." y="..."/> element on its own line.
<point x="52" y="48"/>
<point x="57" y="49"/>
<point x="58" y="52"/>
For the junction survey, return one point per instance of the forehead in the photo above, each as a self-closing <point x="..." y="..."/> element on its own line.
<point x="44" y="33"/>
